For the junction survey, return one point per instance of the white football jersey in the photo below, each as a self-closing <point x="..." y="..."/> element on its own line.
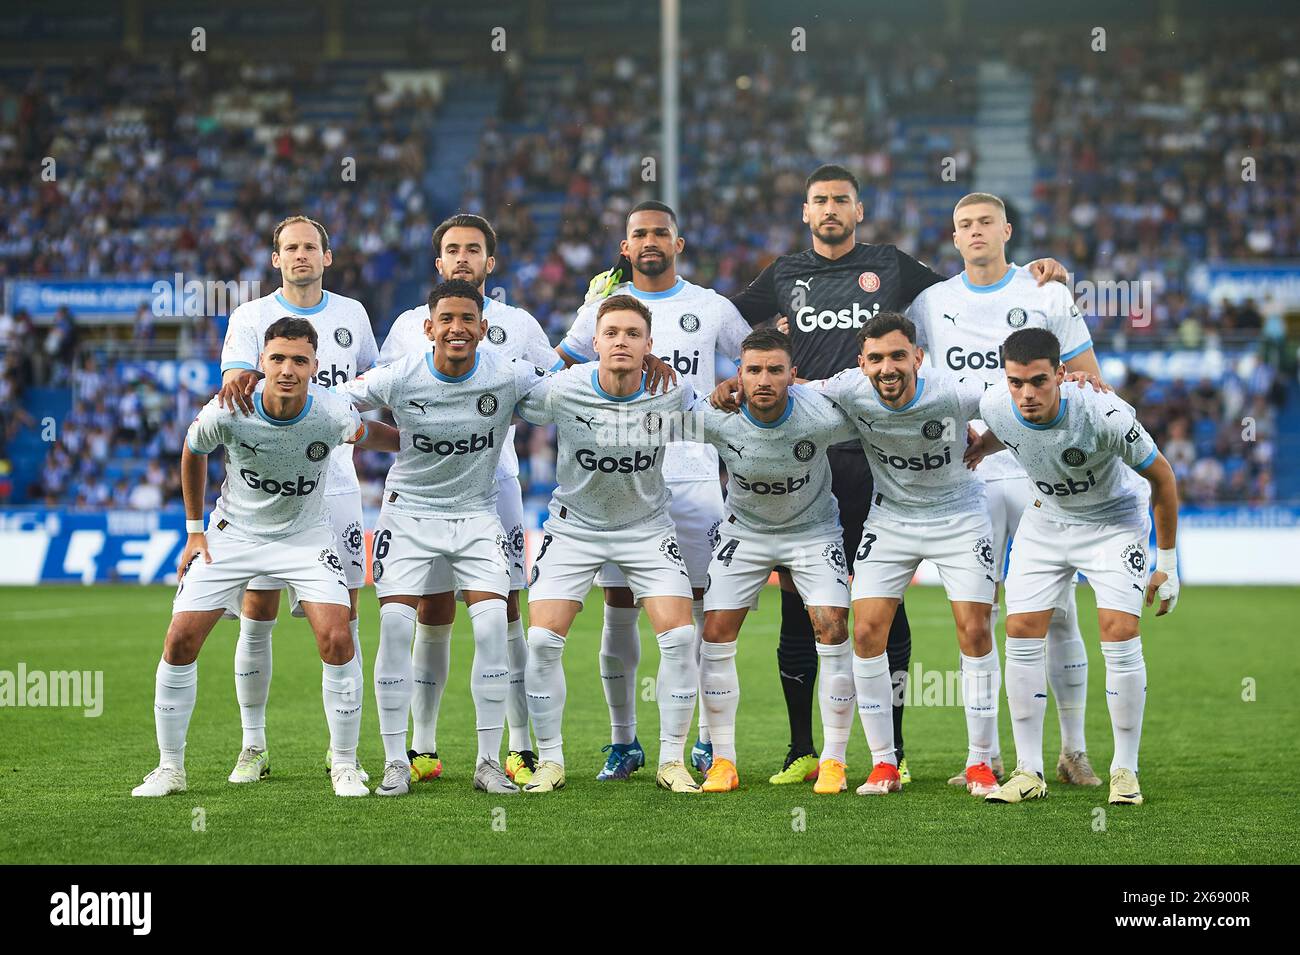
<point x="345" y="349"/>
<point x="689" y="326"/>
<point x="1080" y="464"/>
<point x="511" y="331"/>
<point x="609" y="466"/>
<point x="778" y="478"/>
<point x="915" y="451"/>
<point x="452" y="429"/>
<point x="962" y="328"/>
<point x="275" y="468"/>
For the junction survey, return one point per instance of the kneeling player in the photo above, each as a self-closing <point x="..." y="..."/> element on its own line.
<point x="780" y="512"/>
<point x="611" y="505"/>
<point x="1090" y="516"/>
<point x="270" y="520"/>
<point x="926" y="506"/>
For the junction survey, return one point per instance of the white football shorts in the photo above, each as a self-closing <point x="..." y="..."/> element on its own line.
<point x="696" y="510"/>
<point x="404" y="546"/>
<point x="1046" y="554"/>
<point x="570" y="556"/>
<point x="961" y="547"/>
<point x="744" y="559"/>
<point x="510" y="510"/>
<point x="306" y="561"/>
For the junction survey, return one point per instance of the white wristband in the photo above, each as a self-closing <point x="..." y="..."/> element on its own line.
<point x="1167" y="561"/>
<point x="194" y="527"/>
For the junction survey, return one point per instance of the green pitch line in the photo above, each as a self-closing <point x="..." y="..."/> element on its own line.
<point x="1217" y="770"/>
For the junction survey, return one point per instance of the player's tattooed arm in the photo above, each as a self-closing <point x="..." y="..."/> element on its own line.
<point x="1164" y="506"/>
<point x="1048" y="270"/>
<point x="194" y="482"/>
<point x="980" y="448"/>
<point x="237" y="386"/>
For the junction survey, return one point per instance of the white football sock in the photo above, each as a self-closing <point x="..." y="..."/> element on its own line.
<point x="1067" y="674"/>
<point x="720" y="695"/>
<point x="1027" y="698"/>
<point x="678" y="687"/>
<point x="620" y="652"/>
<point x="175" y="690"/>
<point x="875" y="692"/>
<point x="430" y="663"/>
<point x="393" y="677"/>
<point x="489" y="679"/>
<point x="516" y="698"/>
<point x="980" y="683"/>
<point x="1126" y="696"/>
<point x="253" y="677"/>
<point x="697" y="614"/>
<point x="836" y="696"/>
<point x="342" y="694"/>
<point x="546" y="691"/>
<point x="354" y="625"/>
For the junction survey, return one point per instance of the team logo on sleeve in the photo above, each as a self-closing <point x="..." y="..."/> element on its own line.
<point x="653" y="422"/>
<point x="984" y="552"/>
<point x="804" y="451"/>
<point x="932" y="429"/>
<point x="317" y="451"/>
<point x="869" y="282"/>
<point x="689" y="322"/>
<point x="353" y="538"/>
<point x="1074" y="457"/>
<point x="343" y="337"/>
<point x="1134" y="433"/>
<point x="496" y="334"/>
<point x="1135" y="560"/>
<point x="1017" y="317"/>
<point x="487" y="405"/>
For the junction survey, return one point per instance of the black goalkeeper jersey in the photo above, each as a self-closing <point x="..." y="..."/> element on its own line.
<point x="828" y="300"/>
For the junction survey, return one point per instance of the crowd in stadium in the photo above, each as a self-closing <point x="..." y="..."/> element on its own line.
<point x="1140" y="176"/>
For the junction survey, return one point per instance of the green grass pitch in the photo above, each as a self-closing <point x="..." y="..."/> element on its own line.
<point x="1218" y="771"/>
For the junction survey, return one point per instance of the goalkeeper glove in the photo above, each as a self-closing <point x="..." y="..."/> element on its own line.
<point x="603" y="284"/>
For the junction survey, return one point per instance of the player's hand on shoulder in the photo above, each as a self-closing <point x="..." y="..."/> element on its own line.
<point x="783" y="324"/>
<point x="195" y="545"/>
<point x="728" y="395"/>
<point x="1048" y="270"/>
<point x="978" y="447"/>
<point x="238" y="391"/>
<point x="1087" y="379"/>
<point x="659" y="376"/>
<point x="1165" y="586"/>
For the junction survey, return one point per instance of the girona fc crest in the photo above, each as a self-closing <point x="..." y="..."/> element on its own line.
<point x="869" y="282"/>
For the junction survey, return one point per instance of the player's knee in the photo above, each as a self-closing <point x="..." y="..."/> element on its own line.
<point x="261" y="604"/>
<point x="830" y="630"/>
<point x="181" y="645"/>
<point x="436" y="610"/>
<point x="976" y="637"/>
<point x="1025" y="625"/>
<point x="677" y="640"/>
<point x="1118" y="627"/>
<point x="869" y="640"/>
<point x="716" y="630"/>
<point x="336" y="644"/>
<point x="619" y="597"/>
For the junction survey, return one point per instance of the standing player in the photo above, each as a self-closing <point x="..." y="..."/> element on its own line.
<point x="453" y="406"/>
<point x="270" y="519"/>
<point x="828" y="292"/>
<point x="780" y="512"/>
<point x="963" y="322"/>
<point x="926" y="506"/>
<point x="466" y="247"/>
<point x="611" y="505"/>
<point x="1089" y="515"/>
<point x="692" y="326"/>
<point x="300" y="249"/>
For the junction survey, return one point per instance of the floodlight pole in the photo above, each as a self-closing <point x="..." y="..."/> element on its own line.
<point x="670" y="35"/>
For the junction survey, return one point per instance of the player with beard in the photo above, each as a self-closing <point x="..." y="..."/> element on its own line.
<point x="829" y="292"/>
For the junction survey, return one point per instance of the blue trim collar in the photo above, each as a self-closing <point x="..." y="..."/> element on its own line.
<point x="654" y="296"/>
<point x="789" y="410"/>
<point x="985" y="289"/>
<point x="280" y="422"/>
<point x="1039" y="427"/>
<point x="318" y="307"/>
<point x="595" y="383"/>
<point x="428" y="360"/>
<point x="920" y="387"/>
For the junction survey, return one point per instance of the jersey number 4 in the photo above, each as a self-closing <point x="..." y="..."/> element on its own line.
<point x="728" y="551"/>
